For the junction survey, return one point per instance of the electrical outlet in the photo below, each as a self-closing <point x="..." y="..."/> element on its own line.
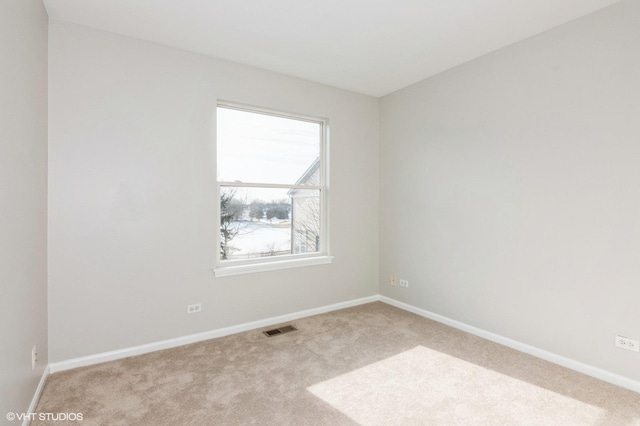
<point x="628" y="344"/>
<point x="404" y="283"/>
<point x="192" y="309"/>
<point x="34" y="357"/>
<point x="393" y="280"/>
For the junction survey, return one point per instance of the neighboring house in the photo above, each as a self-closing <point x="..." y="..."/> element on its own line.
<point x="305" y="212"/>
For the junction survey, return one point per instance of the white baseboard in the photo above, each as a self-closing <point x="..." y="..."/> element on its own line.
<point x="36" y="397"/>
<point x="589" y="370"/>
<point x="193" y="338"/>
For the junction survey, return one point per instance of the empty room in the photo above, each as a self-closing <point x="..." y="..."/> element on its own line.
<point x="320" y="213"/>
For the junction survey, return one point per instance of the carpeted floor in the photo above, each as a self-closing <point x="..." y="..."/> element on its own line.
<point x="369" y="365"/>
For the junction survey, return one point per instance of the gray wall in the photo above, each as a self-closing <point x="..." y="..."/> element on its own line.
<point x="510" y="193"/>
<point x="132" y="228"/>
<point x="510" y="190"/>
<point x="23" y="200"/>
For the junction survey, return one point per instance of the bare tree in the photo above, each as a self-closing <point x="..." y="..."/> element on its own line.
<point x="256" y="209"/>
<point x="278" y="209"/>
<point x="270" y="251"/>
<point x="231" y="209"/>
<point x="306" y="222"/>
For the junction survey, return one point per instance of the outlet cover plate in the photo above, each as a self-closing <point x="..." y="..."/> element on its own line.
<point x="627" y="343"/>
<point x="34" y="357"/>
<point x="195" y="308"/>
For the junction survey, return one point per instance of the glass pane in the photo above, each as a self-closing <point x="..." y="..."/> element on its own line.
<point x="305" y="220"/>
<point x="260" y="148"/>
<point x="263" y="222"/>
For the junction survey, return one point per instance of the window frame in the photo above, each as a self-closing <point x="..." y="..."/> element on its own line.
<point x="322" y="256"/>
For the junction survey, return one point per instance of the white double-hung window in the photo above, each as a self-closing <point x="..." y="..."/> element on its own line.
<point x="272" y="190"/>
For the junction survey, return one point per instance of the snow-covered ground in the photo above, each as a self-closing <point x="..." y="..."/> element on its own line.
<point x="255" y="238"/>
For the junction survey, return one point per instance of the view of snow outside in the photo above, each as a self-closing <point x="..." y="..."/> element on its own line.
<point x="261" y="238"/>
<point x="258" y="148"/>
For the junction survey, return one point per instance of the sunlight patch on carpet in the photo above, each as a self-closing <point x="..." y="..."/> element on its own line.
<point x="423" y="386"/>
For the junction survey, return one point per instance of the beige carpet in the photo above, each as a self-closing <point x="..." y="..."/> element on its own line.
<point x="369" y="365"/>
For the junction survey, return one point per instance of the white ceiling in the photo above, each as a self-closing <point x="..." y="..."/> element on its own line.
<point x="369" y="46"/>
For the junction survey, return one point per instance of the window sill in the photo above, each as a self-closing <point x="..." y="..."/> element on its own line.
<point x="225" y="271"/>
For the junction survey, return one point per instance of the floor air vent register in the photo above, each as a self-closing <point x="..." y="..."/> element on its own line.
<point x="279" y="330"/>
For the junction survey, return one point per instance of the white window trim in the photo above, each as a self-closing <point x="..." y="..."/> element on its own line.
<point x="271" y="265"/>
<point x="323" y="256"/>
